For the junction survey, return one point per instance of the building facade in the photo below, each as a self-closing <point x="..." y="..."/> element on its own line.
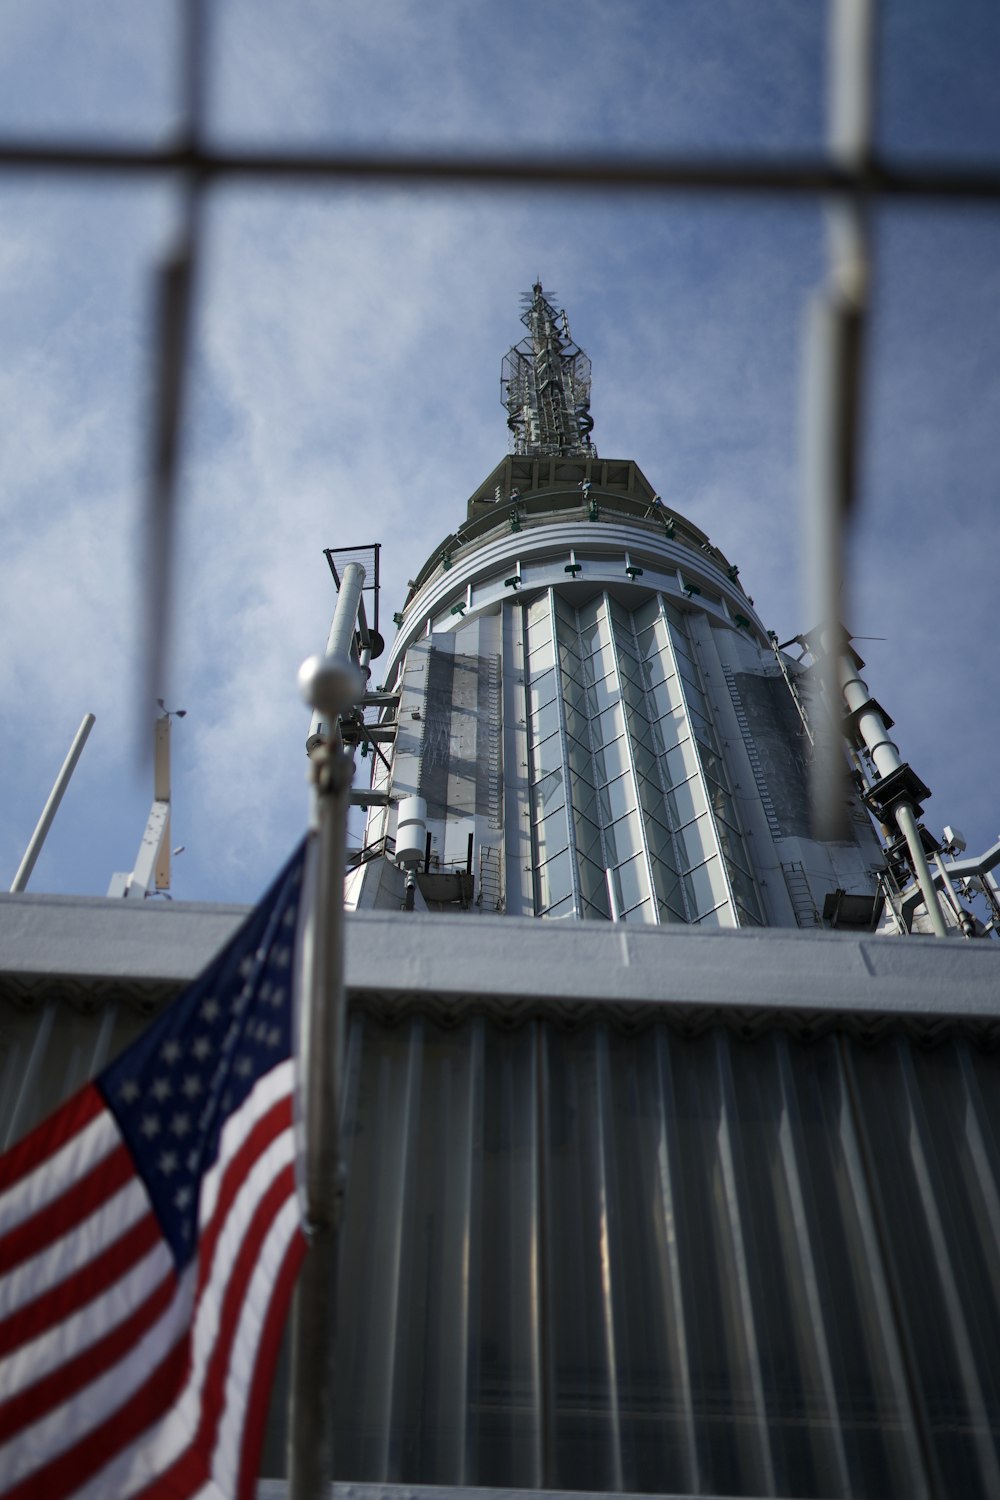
<point x="590" y="714"/>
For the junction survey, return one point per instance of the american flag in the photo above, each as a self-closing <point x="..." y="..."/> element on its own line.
<point x="150" y="1236"/>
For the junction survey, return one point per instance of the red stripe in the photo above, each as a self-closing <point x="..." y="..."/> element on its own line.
<point x="62" y="1475"/>
<point x="37" y="1317"/>
<point x="60" y="1215"/>
<point x="50" y="1136"/>
<point x="259" y="1398"/>
<point x="193" y="1467"/>
<point x="34" y="1402"/>
<point x="267" y="1129"/>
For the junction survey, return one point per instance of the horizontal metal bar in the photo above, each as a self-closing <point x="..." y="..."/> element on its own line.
<point x="956" y="180"/>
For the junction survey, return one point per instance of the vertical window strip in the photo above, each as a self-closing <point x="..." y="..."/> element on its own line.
<point x="680" y="643"/>
<point x="573" y="639"/>
<point x="567" y="810"/>
<point x="615" y="628"/>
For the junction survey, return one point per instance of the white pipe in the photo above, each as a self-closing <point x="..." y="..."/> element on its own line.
<point x="885" y="754"/>
<point x="52" y="805"/>
<point x="340" y="642"/>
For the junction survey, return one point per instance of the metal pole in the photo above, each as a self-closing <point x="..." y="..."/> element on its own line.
<point x="52" y="805"/>
<point x="339" y="643"/>
<point x="329" y="684"/>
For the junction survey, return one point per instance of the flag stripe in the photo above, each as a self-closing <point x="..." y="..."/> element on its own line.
<point x="33" y="1403"/>
<point x="190" y="1469"/>
<point x="63" y="1428"/>
<point x="52" y="1307"/>
<point x="62" y="1214"/>
<point x="84" y="1327"/>
<point x="259" y="1397"/>
<point x="62" y="1475"/>
<point x="42" y="1143"/>
<point x="95" y="1139"/>
<point x="270" y="1088"/>
<point x="277" y="1120"/>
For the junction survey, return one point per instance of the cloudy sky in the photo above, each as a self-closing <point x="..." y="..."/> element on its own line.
<point x="345" y="382"/>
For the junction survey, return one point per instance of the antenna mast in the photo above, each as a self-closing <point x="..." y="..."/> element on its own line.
<point x="545" y="381"/>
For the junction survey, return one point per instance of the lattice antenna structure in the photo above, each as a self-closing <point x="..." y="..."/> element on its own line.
<point x="545" y="384"/>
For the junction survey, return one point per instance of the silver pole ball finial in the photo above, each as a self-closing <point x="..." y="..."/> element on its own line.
<point x="330" y="684"/>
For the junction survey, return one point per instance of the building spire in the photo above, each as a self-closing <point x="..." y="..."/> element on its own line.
<point x="545" y="380"/>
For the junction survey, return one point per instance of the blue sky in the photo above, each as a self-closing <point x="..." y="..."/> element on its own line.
<point x="345" y="386"/>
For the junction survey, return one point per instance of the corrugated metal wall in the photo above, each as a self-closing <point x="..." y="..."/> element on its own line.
<point x="587" y="1259"/>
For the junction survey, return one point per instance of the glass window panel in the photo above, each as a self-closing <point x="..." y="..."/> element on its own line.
<point x="610" y="724"/>
<point x="594" y="912"/>
<point x="546" y="757"/>
<point x="721" y="916"/>
<point x="574" y="693"/>
<point x="704" y="732"/>
<point x="594" y="885"/>
<point x="602" y="693"/>
<point x="578" y="754"/>
<point x="588" y="838"/>
<point x="666" y="697"/>
<point x="645" y="761"/>
<point x="565" y="612"/>
<point x="722" y="804"/>
<point x="601" y="663"/>
<point x="554" y="880"/>
<point x="584" y="797"/>
<point x="611" y="760"/>
<point x="537" y="613"/>
<point x="651" y="799"/>
<point x="542" y="689"/>
<point x="681" y="762"/>
<point x="713" y="764"/>
<point x="541" y="656"/>
<point x="676" y="618"/>
<point x="625" y="641"/>
<point x="686" y="801"/>
<point x="669" y="730"/>
<point x="661" y="848"/>
<point x="644" y="912"/>
<point x="705" y="887"/>
<point x="670" y="913"/>
<point x="695" y="699"/>
<point x="656" y="670"/>
<point x="545" y="721"/>
<point x="593" y="618"/>
<point x="617" y="799"/>
<point x="629" y="669"/>
<point x="551" y="835"/>
<point x="634" y="696"/>
<point x="747" y="919"/>
<point x="652" y="642"/>
<point x="630" y="884"/>
<point x="647" y="614"/>
<point x="547" y="794"/>
<point x="732" y="844"/>
<point x="576" y="721"/>
<point x="569" y="662"/>
<point x="743" y="890"/>
<point x="623" y="839"/>
<point x="667" y="886"/>
<point x="566" y="908"/>
<point x="688" y="670"/>
<point x="696" y="842"/>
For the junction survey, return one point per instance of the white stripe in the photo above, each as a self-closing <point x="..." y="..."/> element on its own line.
<point x="59" y="1171"/>
<point x="243" y="1361"/>
<point x="265" y="1092"/>
<point x="82" y="1329"/>
<point x="85" y="1242"/>
<point x="44" y="1440"/>
<point x="153" y="1453"/>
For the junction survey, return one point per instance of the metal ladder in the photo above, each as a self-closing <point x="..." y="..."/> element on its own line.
<point x="800" y="895"/>
<point x="489" y="896"/>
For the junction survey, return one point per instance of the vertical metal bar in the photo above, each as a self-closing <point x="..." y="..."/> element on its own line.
<point x="51" y="807"/>
<point x="924" y="1478"/>
<point x="541" y="1269"/>
<point x="329" y="684"/>
<point x="726" y="1137"/>
<point x="791" y="1134"/>
<point x="921" y="1149"/>
<point x="470" y="1185"/>
<point x="602" y="1070"/>
<point x="674" y="1293"/>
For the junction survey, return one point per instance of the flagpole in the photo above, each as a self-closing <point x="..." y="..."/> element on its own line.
<point x="330" y="684"/>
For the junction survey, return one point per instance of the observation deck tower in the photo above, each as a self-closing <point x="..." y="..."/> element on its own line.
<point x="586" y="716"/>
